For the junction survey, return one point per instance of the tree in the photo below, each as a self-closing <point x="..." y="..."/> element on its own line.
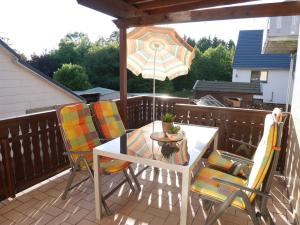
<point x="190" y="41"/>
<point x="72" y="48"/>
<point x="46" y="63"/>
<point x="102" y="65"/>
<point x="215" y="64"/>
<point x="73" y="77"/>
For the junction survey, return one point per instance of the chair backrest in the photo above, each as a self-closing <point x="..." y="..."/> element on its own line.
<point x="77" y="127"/>
<point x="265" y="151"/>
<point x="107" y="119"/>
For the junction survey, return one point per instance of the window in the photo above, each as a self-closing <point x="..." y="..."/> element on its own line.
<point x="259" y="76"/>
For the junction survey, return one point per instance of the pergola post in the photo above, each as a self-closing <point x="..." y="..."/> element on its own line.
<point x="123" y="74"/>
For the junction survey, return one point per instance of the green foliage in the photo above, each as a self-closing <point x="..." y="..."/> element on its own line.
<point x="168" y="118"/>
<point x="100" y="63"/>
<point x="72" y="48"/>
<point x="44" y="63"/>
<point x="215" y="64"/>
<point x="73" y="77"/>
<point x="174" y="130"/>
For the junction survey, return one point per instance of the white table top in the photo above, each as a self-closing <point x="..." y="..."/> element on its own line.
<point x="138" y="147"/>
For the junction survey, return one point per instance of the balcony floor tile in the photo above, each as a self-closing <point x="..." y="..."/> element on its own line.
<point x="158" y="203"/>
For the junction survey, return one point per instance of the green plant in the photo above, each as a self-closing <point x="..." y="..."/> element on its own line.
<point x="168" y="118"/>
<point x="174" y="130"/>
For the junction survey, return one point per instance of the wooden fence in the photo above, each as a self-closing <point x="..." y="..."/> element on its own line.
<point x="244" y="125"/>
<point x="31" y="147"/>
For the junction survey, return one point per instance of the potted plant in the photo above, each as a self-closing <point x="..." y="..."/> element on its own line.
<point x="167" y="122"/>
<point x="173" y="132"/>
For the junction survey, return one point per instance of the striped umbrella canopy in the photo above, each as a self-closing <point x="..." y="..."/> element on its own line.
<point x="158" y="53"/>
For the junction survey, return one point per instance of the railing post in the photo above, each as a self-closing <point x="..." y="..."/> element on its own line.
<point x="10" y="192"/>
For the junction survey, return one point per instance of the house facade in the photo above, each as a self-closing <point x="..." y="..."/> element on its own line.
<point x="270" y="70"/>
<point x="23" y="89"/>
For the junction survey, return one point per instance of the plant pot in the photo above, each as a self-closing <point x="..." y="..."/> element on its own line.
<point x="172" y="136"/>
<point x="166" y="126"/>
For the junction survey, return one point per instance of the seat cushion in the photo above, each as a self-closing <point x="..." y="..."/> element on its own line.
<point x="113" y="165"/>
<point x="108" y="165"/>
<point x="207" y="187"/>
<point x="215" y="159"/>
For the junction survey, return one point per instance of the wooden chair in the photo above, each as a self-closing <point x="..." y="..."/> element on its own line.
<point x="231" y="191"/>
<point x="80" y="137"/>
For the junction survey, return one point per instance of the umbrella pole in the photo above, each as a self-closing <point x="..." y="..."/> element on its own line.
<point x="153" y="103"/>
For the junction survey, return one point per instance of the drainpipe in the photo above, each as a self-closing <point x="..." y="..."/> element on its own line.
<point x="290" y="81"/>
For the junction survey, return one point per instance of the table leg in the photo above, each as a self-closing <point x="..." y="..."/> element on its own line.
<point x="185" y="188"/>
<point x="216" y="142"/>
<point x="97" y="186"/>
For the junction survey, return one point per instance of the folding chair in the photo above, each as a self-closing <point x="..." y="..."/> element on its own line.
<point x="231" y="163"/>
<point x="109" y="125"/>
<point x="80" y="137"/>
<point x="231" y="191"/>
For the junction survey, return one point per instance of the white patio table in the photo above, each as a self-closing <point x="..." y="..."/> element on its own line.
<point x="148" y="152"/>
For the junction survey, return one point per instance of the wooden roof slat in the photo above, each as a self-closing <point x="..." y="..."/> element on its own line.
<point x="234" y="12"/>
<point x="162" y="3"/>
<point x="115" y="8"/>
<point x="137" y="1"/>
<point x="192" y="5"/>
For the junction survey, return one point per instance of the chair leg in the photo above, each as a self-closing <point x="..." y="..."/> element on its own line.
<point x="222" y="209"/>
<point x="71" y="178"/>
<point x="69" y="183"/>
<point x="105" y="206"/>
<point x="137" y="183"/>
<point x="128" y="180"/>
<point x="250" y="209"/>
<point x="210" y="206"/>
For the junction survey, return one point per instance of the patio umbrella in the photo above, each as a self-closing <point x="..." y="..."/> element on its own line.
<point x="158" y="53"/>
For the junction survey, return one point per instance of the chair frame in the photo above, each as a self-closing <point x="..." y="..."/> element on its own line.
<point x="75" y="167"/>
<point x="262" y="195"/>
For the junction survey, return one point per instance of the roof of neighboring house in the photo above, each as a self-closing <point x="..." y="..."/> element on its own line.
<point x="248" y="53"/>
<point x="208" y="100"/>
<point x="37" y="72"/>
<point x="96" y="90"/>
<point x="225" y="86"/>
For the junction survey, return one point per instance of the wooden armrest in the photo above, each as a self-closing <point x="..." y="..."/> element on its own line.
<point x="229" y="183"/>
<point x="242" y="143"/>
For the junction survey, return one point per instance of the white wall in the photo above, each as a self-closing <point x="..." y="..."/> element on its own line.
<point x="239" y="75"/>
<point x="21" y="89"/>
<point x="277" y="83"/>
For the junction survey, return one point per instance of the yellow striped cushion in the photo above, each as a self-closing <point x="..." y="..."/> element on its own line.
<point x="264" y="154"/>
<point x="206" y="186"/>
<point x="218" y="161"/>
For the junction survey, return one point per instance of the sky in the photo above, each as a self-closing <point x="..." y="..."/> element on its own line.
<point x="36" y="26"/>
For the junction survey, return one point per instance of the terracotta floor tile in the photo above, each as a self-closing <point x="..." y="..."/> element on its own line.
<point x="158" y="203"/>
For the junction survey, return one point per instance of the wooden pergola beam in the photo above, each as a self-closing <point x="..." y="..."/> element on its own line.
<point x="115" y="8"/>
<point x="235" y="12"/>
<point x="186" y="5"/>
<point x="162" y="4"/>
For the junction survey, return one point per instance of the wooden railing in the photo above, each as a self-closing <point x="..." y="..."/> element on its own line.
<point x="245" y="125"/>
<point x="31" y="150"/>
<point x="31" y="147"/>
